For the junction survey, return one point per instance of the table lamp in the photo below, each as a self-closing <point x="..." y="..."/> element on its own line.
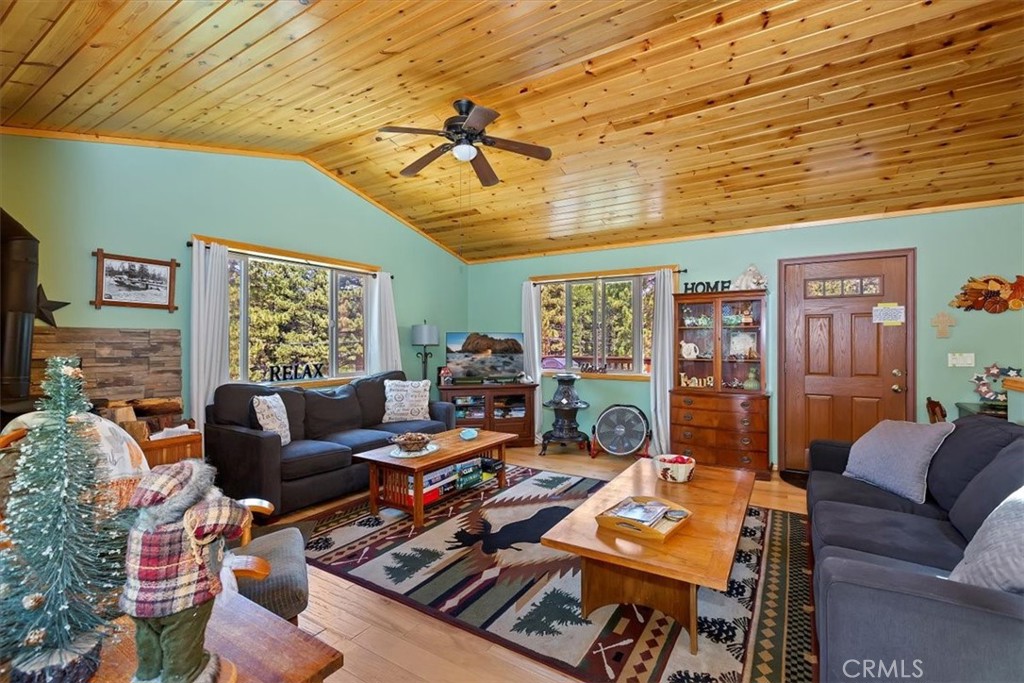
<point x="425" y="335"/>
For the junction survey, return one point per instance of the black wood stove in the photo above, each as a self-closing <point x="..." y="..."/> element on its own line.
<point x="565" y="403"/>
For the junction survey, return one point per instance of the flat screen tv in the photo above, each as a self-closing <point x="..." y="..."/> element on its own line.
<point x="486" y="356"/>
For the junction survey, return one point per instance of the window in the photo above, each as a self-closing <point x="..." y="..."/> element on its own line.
<point x="293" y="321"/>
<point x="601" y="323"/>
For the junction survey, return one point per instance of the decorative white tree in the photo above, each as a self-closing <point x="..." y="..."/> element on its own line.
<point x="62" y="552"/>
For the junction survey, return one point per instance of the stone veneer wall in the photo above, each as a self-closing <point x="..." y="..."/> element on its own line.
<point x="118" y="364"/>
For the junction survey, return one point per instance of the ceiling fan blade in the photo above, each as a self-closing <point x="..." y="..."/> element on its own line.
<point x="478" y="119"/>
<point x="421" y="163"/>
<point x="414" y="131"/>
<point x="483" y="169"/>
<point x="524" y="148"/>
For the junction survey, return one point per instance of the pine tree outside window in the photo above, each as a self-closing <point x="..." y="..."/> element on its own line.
<point x="600" y="322"/>
<point x="306" y="317"/>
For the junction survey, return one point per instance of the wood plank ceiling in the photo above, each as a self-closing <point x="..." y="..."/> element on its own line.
<point x="666" y="119"/>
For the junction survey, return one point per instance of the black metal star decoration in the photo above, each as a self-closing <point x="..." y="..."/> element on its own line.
<point x="45" y="307"/>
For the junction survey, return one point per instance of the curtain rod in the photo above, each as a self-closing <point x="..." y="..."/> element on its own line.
<point x="372" y="274"/>
<point x="596" y="277"/>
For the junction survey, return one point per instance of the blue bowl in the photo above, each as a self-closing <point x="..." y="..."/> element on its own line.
<point x="468" y="434"/>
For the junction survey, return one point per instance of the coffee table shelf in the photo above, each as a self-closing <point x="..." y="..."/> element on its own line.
<point x="389" y="476"/>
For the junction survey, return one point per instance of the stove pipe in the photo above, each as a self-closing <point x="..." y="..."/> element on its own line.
<point x="19" y="273"/>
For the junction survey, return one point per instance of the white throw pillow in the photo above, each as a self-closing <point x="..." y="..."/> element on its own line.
<point x="895" y="455"/>
<point x="406" y="400"/>
<point x="272" y="416"/>
<point x="995" y="556"/>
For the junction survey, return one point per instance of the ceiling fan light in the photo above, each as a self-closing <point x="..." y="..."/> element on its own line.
<point x="464" y="151"/>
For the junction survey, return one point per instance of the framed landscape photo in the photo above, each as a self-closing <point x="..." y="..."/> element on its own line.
<point x="133" y="281"/>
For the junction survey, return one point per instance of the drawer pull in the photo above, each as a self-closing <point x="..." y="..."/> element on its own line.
<point x="687" y="435"/>
<point x="745" y="422"/>
<point x="744" y="404"/>
<point x="688" y="417"/>
<point x="687" y="401"/>
<point x="745" y="441"/>
<point x="688" y="452"/>
<point x="745" y="459"/>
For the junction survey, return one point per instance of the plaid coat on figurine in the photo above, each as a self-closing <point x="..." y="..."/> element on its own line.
<point x="176" y="545"/>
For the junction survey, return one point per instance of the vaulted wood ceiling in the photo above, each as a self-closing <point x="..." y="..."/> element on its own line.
<point x="666" y="119"/>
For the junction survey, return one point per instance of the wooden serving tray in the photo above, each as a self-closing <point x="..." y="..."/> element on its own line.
<point x="659" y="531"/>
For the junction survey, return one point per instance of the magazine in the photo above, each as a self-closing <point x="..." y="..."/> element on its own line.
<point x="648" y="513"/>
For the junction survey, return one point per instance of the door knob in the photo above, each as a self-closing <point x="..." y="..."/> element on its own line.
<point x="897" y="389"/>
<point x="896" y="372"/>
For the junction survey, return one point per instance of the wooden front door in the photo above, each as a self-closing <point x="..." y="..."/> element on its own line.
<point x="841" y="373"/>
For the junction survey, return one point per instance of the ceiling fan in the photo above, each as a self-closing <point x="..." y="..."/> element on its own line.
<point x="463" y="133"/>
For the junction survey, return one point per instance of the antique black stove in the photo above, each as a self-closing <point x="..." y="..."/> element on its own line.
<point x="565" y="403"/>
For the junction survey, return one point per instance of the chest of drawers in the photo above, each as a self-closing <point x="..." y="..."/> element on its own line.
<point x="716" y="429"/>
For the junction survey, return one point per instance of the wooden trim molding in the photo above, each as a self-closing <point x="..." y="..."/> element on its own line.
<point x="643" y="270"/>
<point x="312" y="259"/>
<point x="1014" y="383"/>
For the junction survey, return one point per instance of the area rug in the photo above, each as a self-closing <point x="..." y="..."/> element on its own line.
<point x="478" y="564"/>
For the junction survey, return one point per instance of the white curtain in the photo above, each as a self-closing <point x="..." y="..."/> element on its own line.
<point x="531" y="354"/>
<point x="383" y="351"/>
<point x="208" y="362"/>
<point x="663" y="338"/>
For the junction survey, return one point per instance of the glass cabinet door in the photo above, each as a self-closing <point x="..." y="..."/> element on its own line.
<point x="509" y="407"/>
<point x="742" y="344"/>
<point x="696" y="321"/>
<point x="470" y="407"/>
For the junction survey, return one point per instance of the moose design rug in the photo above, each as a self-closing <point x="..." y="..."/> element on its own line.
<point x="478" y="563"/>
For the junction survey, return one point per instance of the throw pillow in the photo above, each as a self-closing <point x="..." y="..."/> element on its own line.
<point x="995" y="556"/>
<point x="894" y="456"/>
<point x="272" y="417"/>
<point x="406" y="400"/>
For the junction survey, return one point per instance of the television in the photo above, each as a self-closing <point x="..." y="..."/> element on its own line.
<point x="485" y="356"/>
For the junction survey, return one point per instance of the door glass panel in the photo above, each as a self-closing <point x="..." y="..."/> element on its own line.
<point x="741" y="344"/>
<point x="696" y="345"/>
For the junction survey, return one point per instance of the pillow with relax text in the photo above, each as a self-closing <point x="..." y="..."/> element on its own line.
<point x="894" y="456"/>
<point x="406" y="400"/>
<point x="272" y="416"/>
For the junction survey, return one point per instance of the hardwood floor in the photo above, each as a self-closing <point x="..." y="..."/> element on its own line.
<point x="386" y="641"/>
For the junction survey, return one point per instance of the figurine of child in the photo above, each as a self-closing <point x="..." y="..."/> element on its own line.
<point x="175" y="548"/>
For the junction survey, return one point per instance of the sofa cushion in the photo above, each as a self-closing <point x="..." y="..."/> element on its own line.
<point x="968" y="450"/>
<point x="360" y="440"/>
<point x="423" y="426"/>
<point x="913" y="538"/>
<point x="370" y="392"/>
<point x="405" y="400"/>
<point x="306" y="458"/>
<point x="824" y="485"/>
<point x="894" y="456"/>
<point x="232" y="405"/>
<point x="272" y="416"/>
<point x="332" y="410"/>
<point x="995" y="556"/>
<point x="1003" y="476"/>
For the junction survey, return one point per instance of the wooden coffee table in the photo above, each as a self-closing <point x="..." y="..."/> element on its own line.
<point x="623" y="569"/>
<point x="389" y="476"/>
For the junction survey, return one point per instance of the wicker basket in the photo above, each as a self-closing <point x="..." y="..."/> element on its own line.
<point x="412" y="441"/>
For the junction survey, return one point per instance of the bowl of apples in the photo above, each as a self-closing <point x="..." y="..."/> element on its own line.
<point x="675" y="468"/>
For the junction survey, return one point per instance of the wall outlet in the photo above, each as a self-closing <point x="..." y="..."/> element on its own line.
<point x="961" y="360"/>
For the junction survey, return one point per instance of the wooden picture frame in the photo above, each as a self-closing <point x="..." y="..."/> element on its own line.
<point x="134" y="281"/>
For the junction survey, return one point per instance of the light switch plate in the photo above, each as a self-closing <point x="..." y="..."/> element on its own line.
<point x="961" y="360"/>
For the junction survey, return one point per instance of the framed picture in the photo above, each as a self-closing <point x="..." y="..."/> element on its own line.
<point x="132" y="281"/>
<point x="742" y="344"/>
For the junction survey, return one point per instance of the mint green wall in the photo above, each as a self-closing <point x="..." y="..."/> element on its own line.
<point x="951" y="246"/>
<point x="79" y="196"/>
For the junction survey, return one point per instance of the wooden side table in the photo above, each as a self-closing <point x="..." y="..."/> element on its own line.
<point x="263" y="646"/>
<point x="167" y="451"/>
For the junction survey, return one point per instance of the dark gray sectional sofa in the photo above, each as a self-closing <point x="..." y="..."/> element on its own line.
<point x="327" y="427"/>
<point x="881" y="561"/>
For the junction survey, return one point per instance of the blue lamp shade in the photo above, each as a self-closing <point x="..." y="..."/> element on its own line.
<point x="425" y="335"/>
